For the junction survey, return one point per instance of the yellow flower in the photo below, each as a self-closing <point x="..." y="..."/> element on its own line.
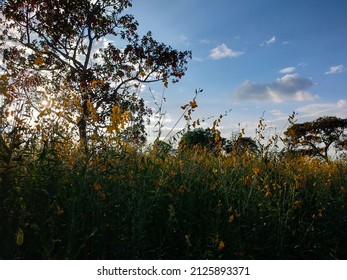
<point x="213" y="187"/>
<point x="237" y="214"/>
<point x="256" y="170"/>
<point x="217" y="137"/>
<point x="193" y="104"/>
<point x="184" y="107"/>
<point x="95" y="137"/>
<point x="39" y="60"/>
<point x="296" y="204"/>
<point x="231" y="218"/>
<point x="96" y="187"/>
<point x="71" y="160"/>
<point x="20" y="237"/>
<point x="59" y="210"/>
<point x="181" y="189"/>
<point x="97" y="82"/>
<point x="268" y="193"/>
<point x="221" y="245"/>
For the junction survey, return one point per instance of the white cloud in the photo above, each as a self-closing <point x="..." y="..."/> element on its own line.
<point x="278" y="113"/>
<point x="269" y="42"/>
<point x="342" y="103"/>
<point x="198" y="59"/>
<point x="288" y="87"/>
<point x="183" y="40"/>
<point x="205" y="41"/>
<point x="335" y="69"/>
<point x="304" y="96"/>
<point x="272" y="40"/>
<point x="222" y="51"/>
<point x="287" y="70"/>
<point x="338" y="109"/>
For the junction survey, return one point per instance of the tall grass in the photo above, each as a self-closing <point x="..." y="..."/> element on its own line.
<point x="127" y="203"/>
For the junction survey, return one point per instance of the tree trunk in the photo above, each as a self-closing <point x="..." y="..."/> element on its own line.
<point x="82" y="128"/>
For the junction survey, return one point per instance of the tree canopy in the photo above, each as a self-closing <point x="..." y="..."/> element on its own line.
<point x="87" y="56"/>
<point x="317" y="137"/>
<point x="203" y="138"/>
<point x="240" y="145"/>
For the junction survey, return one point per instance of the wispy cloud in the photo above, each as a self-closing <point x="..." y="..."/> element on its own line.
<point x="342" y="103"/>
<point x="335" y="69"/>
<point x="222" y="51"/>
<point x="287" y="70"/>
<point x="183" y="40"/>
<point x="204" y="41"/>
<point x="278" y="113"/>
<point x="289" y="87"/>
<point x="198" y="59"/>
<point x="269" y="42"/>
<point x="338" y="109"/>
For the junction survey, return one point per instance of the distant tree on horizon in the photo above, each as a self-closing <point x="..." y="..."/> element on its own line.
<point x="241" y="145"/>
<point x="316" y="138"/>
<point x="203" y="138"/>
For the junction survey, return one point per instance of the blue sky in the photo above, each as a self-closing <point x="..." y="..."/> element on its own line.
<point x="257" y="57"/>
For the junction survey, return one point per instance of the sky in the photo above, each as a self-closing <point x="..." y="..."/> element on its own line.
<point x="259" y="58"/>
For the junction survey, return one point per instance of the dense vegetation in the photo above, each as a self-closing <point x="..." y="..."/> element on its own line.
<point x="77" y="180"/>
<point x="123" y="203"/>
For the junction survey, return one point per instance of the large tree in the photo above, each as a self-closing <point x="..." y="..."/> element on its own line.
<point x="89" y="53"/>
<point x="317" y="137"/>
<point x="241" y="145"/>
<point x="203" y="138"/>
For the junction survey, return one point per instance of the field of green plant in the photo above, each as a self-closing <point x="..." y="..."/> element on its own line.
<point x="78" y="179"/>
<point x="128" y="203"/>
